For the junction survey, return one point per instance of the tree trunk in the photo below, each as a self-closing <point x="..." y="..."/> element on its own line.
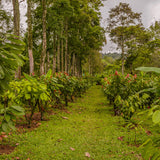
<point x="16" y="14"/>
<point x="66" y="49"/>
<point x="80" y="67"/>
<point x="62" y="68"/>
<point x="48" y="61"/>
<point x="44" y="43"/>
<point x="68" y="62"/>
<point x="30" y="44"/>
<point x="16" y="17"/>
<point x="76" y="72"/>
<point x="73" y="64"/>
<point x="122" y="58"/>
<point x="54" y="56"/>
<point x="58" y="54"/>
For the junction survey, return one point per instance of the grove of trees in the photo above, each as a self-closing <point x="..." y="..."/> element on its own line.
<point x="62" y="35"/>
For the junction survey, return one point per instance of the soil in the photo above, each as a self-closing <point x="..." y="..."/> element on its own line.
<point x="6" y="149"/>
<point x="22" y="125"/>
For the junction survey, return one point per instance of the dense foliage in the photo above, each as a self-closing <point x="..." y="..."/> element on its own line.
<point x="42" y="93"/>
<point x="124" y="93"/>
<point x="134" y="94"/>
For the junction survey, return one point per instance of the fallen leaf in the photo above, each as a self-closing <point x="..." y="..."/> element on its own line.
<point x="72" y="148"/>
<point x="121" y="138"/>
<point x="68" y="112"/>
<point x="65" y="117"/>
<point x="59" y="140"/>
<point x="87" y="155"/>
<point x="148" y="132"/>
<point x="4" y="136"/>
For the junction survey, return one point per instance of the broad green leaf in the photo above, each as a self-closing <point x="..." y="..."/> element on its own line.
<point x="17" y="113"/>
<point x="49" y="73"/>
<point x="149" y="69"/>
<point x="34" y="89"/>
<point x="44" y="97"/>
<point x="2" y="74"/>
<point x="7" y="117"/>
<point x="29" y="88"/>
<point x="132" y="109"/>
<point x="27" y="96"/>
<point x="156" y="117"/>
<point x="5" y="127"/>
<point x="27" y="76"/>
<point x="18" y="108"/>
<point x="11" y="125"/>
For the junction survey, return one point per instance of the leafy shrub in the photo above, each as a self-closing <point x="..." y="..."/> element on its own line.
<point x="122" y="92"/>
<point x="29" y="93"/>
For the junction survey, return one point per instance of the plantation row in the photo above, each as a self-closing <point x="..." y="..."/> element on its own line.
<point x="133" y="95"/>
<point x="30" y="93"/>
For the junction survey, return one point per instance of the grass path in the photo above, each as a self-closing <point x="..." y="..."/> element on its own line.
<point x="88" y="127"/>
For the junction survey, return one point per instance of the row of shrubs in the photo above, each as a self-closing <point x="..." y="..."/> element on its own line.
<point x="33" y="93"/>
<point x="126" y="93"/>
<point x="137" y="94"/>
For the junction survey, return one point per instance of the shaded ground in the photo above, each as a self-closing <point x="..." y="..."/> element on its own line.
<point x="86" y="130"/>
<point x="6" y="149"/>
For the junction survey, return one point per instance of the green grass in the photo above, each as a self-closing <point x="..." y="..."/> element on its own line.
<point x="90" y="127"/>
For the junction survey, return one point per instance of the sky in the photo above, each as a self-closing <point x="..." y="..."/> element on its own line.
<point x="150" y="10"/>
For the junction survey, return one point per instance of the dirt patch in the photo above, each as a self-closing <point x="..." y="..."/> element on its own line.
<point x="22" y="125"/>
<point x="50" y="112"/>
<point x="6" y="149"/>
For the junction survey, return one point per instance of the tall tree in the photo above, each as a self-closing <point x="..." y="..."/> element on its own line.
<point x="121" y="17"/>
<point x="30" y="45"/>
<point x="44" y="42"/>
<point x="138" y="51"/>
<point x="16" y="13"/>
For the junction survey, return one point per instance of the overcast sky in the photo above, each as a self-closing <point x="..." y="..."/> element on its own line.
<point x="150" y="10"/>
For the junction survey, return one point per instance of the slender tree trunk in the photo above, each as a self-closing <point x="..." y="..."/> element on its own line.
<point x="54" y="64"/>
<point x="54" y="56"/>
<point x="58" y="55"/>
<point x="48" y="61"/>
<point x="80" y="67"/>
<point x="44" y="43"/>
<point x="66" y="49"/>
<point x="16" y="14"/>
<point x="68" y="63"/>
<point x="30" y="44"/>
<point x="122" y="58"/>
<point x="73" y="64"/>
<point x="62" y="61"/>
<point x="16" y="17"/>
<point x="76" y="72"/>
